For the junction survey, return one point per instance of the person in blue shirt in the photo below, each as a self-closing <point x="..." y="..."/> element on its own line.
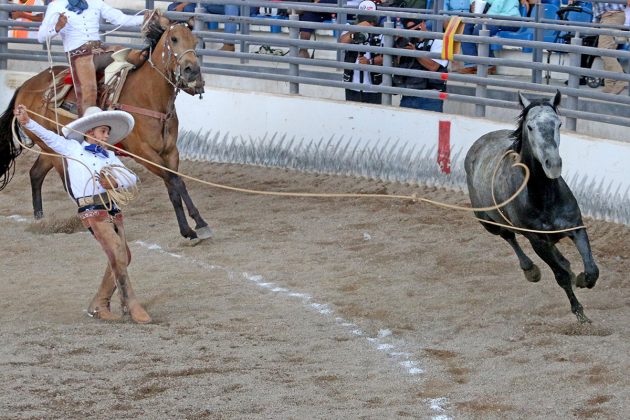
<point x="496" y="8"/>
<point x="215" y="9"/>
<point x="457" y="5"/>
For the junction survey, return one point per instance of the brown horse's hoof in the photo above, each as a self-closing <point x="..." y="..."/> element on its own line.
<point x="204" y="232"/>
<point x="533" y="274"/>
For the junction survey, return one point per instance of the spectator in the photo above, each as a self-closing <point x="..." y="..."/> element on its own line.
<point x="498" y="8"/>
<point x="457" y="5"/>
<point x="366" y="78"/>
<point x="420" y="63"/>
<point x="215" y="9"/>
<point x="610" y="14"/>
<point x="305" y="33"/>
<point x="21" y="32"/>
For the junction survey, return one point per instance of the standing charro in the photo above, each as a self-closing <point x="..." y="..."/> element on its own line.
<point x="92" y="172"/>
<point x="78" y="22"/>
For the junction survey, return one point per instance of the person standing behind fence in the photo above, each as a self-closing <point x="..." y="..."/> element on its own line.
<point x="78" y="23"/>
<point x="610" y="14"/>
<point x="19" y="15"/>
<point x="462" y="6"/>
<point x="310" y="16"/>
<point x="365" y="78"/>
<point x="420" y="63"/>
<point x="495" y="8"/>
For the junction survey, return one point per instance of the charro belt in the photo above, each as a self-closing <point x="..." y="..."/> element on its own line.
<point x="93" y="199"/>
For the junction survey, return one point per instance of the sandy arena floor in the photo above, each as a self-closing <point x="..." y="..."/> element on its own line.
<point x="303" y="308"/>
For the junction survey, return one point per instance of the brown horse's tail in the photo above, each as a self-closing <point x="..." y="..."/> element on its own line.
<point x="9" y="151"/>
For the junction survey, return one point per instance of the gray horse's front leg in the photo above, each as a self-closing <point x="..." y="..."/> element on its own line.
<point x="589" y="277"/>
<point x="563" y="276"/>
<point x="531" y="270"/>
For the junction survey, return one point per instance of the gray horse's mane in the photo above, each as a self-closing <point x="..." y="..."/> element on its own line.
<point x="517" y="134"/>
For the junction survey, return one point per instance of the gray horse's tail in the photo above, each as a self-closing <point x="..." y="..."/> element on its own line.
<point x="9" y="151"/>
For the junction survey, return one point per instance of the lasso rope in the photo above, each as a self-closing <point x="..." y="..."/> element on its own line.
<point x="412" y="197"/>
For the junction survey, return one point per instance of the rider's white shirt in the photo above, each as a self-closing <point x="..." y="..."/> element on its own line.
<point x="80" y="176"/>
<point x="84" y="27"/>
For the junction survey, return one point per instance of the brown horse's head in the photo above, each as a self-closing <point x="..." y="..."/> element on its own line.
<point x="173" y="53"/>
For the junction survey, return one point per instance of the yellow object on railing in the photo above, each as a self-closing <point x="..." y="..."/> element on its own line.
<point x="450" y="46"/>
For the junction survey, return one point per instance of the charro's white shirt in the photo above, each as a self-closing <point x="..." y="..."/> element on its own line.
<point x="84" y="27"/>
<point x="81" y="176"/>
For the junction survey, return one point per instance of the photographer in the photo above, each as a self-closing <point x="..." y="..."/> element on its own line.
<point x="366" y="78"/>
<point x="420" y="63"/>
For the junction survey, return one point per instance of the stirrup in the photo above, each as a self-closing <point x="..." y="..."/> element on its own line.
<point x="119" y="63"/>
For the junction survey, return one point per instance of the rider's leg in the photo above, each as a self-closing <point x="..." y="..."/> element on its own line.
<point x="84" y="74"/>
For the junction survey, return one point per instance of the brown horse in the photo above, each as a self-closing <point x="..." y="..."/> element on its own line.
<point x="149" y="94"/>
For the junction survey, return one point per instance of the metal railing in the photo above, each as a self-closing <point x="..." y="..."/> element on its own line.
<point x="481" y="90"/>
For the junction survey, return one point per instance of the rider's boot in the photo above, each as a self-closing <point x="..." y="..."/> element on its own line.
<point x="130" y="302"/>
<point x="100" y="306"/>
<point x="137" y="57"/>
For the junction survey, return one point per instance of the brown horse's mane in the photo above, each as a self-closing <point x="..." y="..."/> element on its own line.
<point x="152" y="34"/>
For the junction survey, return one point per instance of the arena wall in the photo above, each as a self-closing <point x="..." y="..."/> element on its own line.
<point x="379" y="142"/>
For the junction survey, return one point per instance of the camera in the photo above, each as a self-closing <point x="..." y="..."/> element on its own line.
<point x="360" y="37"/>
<point x="402" y="42"/>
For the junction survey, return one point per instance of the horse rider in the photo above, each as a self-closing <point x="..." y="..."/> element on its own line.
<point x="77" y="21"/>
<point x="90" y="171"/>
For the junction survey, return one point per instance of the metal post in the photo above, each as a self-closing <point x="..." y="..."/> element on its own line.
<point x="199" y="27"/>
<point x="574" y="82"/>
<point x="244" y="29"/>
<point x="149" y="4"/>
<point x="481" y="91"/>
<point x="438" y="26"/>
<point x="4" y="32"/>
<point x="342" y="18"/>
<point x="538" y="53"/>
<point x="388" y="41"/>
<point x="294" y="69"/>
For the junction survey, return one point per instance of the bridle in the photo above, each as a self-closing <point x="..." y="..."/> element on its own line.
<point x="174" y="78"/>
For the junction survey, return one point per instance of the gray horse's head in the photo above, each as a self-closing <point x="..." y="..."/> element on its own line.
<point x="539" y="128"/>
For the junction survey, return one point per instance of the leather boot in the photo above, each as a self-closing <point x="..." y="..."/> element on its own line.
<point x="99" y="307"/>
<point x="130" y="302"/>
<point x="137" y="57"/>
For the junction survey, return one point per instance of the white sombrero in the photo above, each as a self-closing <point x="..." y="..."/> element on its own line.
<point x="120" y="124"/>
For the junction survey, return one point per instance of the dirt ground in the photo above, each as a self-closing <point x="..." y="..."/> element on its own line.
<point x="303" y="308"/>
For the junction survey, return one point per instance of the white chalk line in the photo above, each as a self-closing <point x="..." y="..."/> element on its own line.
<point x="384" y="342"/>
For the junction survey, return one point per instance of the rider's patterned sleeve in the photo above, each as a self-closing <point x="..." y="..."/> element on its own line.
<point x="116" y="17"/>
<point x="47" y="28"/>
<point x="59" y="144"/>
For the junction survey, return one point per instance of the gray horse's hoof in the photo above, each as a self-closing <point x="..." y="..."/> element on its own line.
<point x="582" y="319"/>
<point x="583" y="281"/>
<point x="533" y="274"/>
<point x="204" y="233"/>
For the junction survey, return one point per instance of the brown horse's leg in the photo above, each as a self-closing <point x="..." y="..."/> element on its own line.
<point x="38" y="172"/>
<point x="170" y="180"/>
<point x="202" y="229"/>
<point x="111" y="236"/>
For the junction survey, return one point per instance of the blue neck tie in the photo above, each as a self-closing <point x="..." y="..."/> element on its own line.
<point x="77" y="6"/>
<point x="97" y="150"/>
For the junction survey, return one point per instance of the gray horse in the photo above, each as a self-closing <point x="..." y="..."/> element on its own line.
<point x="545" y="204"/>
